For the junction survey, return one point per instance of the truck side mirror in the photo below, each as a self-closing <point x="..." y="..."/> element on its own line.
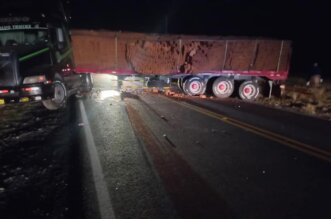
<point x="59" y="35"/>
<point x="60" y="38"/>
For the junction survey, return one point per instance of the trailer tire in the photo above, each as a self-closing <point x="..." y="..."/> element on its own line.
<point x="194" y="86"/>
<point x="180" y="83"/>
<point x="249" y="90"/>
<point x="60" y="97"/>
<point x="223" y="87"/>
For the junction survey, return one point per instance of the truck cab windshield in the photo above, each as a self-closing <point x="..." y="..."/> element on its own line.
<point x="22" y="37"/>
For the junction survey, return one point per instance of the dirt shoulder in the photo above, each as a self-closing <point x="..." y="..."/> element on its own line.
<point x="298" y="97"/>
<point x="36" y="165"/>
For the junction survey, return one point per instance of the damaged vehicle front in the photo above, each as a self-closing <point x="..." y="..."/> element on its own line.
<point x="36" y="61"/>
<point x="25" y="62"/>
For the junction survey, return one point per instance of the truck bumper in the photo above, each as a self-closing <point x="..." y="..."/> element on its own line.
<point x="26" y="93"/>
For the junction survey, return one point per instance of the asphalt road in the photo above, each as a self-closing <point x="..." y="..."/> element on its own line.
<point x="135" y="190"/>
<point x="163" y="158"/>
<point x="115" y="155"/>
<point x="246" y="174"/>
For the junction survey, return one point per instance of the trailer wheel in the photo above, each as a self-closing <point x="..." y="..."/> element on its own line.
<point x="249" y="90"/>
<point x="60" y="97"/>
<point x="194" y="86"/>
<point x="223" y="87"/>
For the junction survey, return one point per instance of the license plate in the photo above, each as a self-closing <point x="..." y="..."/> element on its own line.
<point x="2" y="101"/>
<point x="24" y="99"/>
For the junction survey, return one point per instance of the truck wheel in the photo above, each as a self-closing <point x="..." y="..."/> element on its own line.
<point x="194" y="86"/>
<point x="60" y="97"/>
<point x="87" y="83"/>
<point x="223" y="87"/>
<point x="249" y="90"/>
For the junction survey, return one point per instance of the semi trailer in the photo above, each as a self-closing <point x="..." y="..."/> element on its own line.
<point x="223" y="66"/>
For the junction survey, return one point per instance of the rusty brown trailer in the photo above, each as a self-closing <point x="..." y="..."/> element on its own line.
<point x="154" y="54"/>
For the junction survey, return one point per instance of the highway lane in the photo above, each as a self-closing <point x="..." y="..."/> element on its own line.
<point x="307" y="129"/>
<point x="197" y="158"/>
<point x="251" y="175"/>
<point x="134" y="188"/>
<point x="156" y="157"/>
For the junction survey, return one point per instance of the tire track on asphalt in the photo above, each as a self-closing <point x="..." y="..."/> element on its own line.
<point x="190" y="194"/>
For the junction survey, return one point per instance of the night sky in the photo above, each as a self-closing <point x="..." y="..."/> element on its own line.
<point x="305" y="22"/>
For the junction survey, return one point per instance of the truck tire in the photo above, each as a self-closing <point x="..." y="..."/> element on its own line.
<point x="249" y="90"/>
<point x="87" y="83"/>
<point x="223" y="87"/>
<point x="194" y="86"/>
<point x="60" y="97"/>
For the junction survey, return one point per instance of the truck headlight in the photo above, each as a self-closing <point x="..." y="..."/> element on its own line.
<point x="34" y="79"/>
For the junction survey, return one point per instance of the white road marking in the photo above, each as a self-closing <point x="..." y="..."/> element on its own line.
<point x="104" y="201"/>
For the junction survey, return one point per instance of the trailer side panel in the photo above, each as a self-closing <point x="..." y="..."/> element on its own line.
<point x="151" y="54"/>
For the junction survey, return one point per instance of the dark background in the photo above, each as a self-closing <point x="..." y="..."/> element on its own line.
<point x="305" y="22"/>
